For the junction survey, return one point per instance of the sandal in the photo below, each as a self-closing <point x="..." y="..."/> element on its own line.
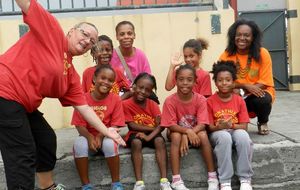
<point x="263" y="129"/>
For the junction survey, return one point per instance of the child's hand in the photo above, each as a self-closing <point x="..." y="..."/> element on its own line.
<point x="142" y="136"/>
<point x="184" y="145"/>
<point x="193" y="137"/>
<point x="176" y="60"/>
<point x="93" y="144"/>
<point x="224" y="123"/>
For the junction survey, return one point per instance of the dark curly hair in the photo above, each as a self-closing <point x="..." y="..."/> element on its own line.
<point x="186" y="67"/>
<point x="100" y="39"/>
<point x="224" y="66"/>
<point x="255" y="46"/>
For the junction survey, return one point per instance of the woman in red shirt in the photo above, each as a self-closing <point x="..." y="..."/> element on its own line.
<point x="40" y="65"/>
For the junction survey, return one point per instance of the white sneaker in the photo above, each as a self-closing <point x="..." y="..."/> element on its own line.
<point x="139" y="186"/>
<point x="213" y="184"/>
<point x="165" y="186"/>
<point x="179" y="185"/>
<point x="226" y="186"/>
<point x="60" y="187"/>
<point x="246" y="186"/>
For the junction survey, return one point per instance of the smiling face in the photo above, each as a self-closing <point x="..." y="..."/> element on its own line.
<point x="190" y="57"/>
<point x="142" y="89"/>
<point x="125" y="35"/>
<point x="224" y="82"/>
<point x="185" y="81"/>
<point x="103" y="52"/>
<point x="81" y="39"/>
<point x="243" y="38"/>
<point x="104" y="81"/>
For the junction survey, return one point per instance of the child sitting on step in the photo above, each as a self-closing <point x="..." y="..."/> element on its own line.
<point x="108" y="107"/>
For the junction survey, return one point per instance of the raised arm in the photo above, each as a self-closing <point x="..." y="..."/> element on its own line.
<point x="23" y="4"/>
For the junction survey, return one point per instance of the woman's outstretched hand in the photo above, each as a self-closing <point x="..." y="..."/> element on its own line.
<point x="113" y="134"/>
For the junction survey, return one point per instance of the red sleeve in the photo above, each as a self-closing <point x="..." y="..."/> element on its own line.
<point x="243" y="115"/>
<point x="202" y="115"/>
<point x="127" y="111"/>
<point x="84" y="81"/>
<point x="210" y="111"/>
<point x="118" y="118"/>
<point x="46" y="28"/>
<point x="265" y="71"/>
<point x="122" y="81"/>
<point x="168" y="117"/>
<point x="206" y="85"/>
<point x="78" y="120"/>
<point x="74" y="96"/>
<point x="154" y="108"/>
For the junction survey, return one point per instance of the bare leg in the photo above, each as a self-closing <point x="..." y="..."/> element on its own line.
<point x="45" y="179"/>
<point x="114" y="167"/>
<point x="206" y="151"/>
<point x="161" y="156"/>
<point x="82" y="166"/>
<point x="137" y="158"/>
<point x="175" y="152"/>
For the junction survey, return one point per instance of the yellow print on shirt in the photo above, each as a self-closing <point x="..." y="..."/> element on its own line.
<point x="99" y="110"/>
<point x="144" y="119"/>
<point x="67" y="65"/>
<point x="226" y="114"/>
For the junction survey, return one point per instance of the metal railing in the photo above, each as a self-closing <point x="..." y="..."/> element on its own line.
<point x="9" y="7"/>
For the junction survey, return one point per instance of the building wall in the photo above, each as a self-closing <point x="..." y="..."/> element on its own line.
<point x="159" y="35"/>
<point x="294" y="45"/>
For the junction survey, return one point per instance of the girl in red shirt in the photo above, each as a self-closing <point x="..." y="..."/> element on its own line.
<point x="102" y="54"/>
<point x="185" y="114"/>
<point x="228" y="119"/>
<point x="108" y="107"/>
<point x="192" y="51"/>
<point x="142" y="116"/>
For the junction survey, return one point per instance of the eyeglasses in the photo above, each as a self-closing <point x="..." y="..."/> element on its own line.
<point x="87" y="36"/>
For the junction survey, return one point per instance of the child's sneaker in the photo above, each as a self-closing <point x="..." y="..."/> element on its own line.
<point x="226" y="186"/>
<point x="213" y="184"/>
<point x="139" y="185"/>
<point x="117" y="186"/>
<point x="87" y="187"/>
<point x="245" y="185"/>
<point x="60" y="187"/>
<point x="179" y="185"/>
<point x="165" y="185"/>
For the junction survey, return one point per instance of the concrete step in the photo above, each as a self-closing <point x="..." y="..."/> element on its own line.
<point x="276" y="165"/>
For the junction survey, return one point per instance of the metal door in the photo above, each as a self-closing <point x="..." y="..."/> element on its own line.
<point x="273" y="26"/>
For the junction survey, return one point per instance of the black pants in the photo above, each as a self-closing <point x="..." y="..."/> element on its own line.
<point x="27" y="144"/>
<point x="261" y="106"/>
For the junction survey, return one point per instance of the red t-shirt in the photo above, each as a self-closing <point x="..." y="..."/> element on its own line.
<point x="185" y="114"/>
<point x="203" y="83"/>
<point x="235" y="109"/>
<point x="120" y="82"/>
<point x="39" y="64"/>
<point x="143" y="116"/>
<point x="109" y="110"/>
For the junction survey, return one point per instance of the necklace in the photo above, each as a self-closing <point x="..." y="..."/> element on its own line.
<point x="242" y="72"/>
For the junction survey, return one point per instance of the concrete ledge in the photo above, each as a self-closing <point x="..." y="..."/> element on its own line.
<point x="276" y="165"/>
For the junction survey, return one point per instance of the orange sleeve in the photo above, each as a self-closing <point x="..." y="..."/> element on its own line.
<point x="265" y="71"/>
